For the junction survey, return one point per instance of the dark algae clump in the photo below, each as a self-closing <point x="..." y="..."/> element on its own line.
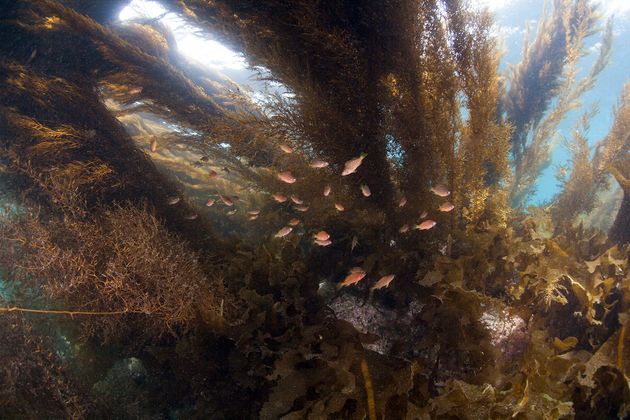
<point x="354" y="240"/>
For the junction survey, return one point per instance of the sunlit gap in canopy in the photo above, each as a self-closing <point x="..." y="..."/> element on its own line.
<point x="190" y="44"/>
<point x="198" y="47"/>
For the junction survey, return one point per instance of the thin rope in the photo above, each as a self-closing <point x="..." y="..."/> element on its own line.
<point x="622" y="336"/>
<point x="71" y="313"/>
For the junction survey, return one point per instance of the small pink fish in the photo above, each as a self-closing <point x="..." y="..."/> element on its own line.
<point x="322" y="235"/>
<point x="173" y="200"/>
<point x="301" y="208"/>
<point x="226" y="200"/>
<point x="355" y="276"/>
<point x="440" y="190"/>
<point x="153" y="145"/>
<point x="424" y="214"/>
<point x="253" y="212"/>
<point x="231" y="212"/>
<point x="287" y="177"/>
<point x="446" y="207"/>
<point x="426" y="225"/>
<point x="327" y="190"/>
<point x="402" y="202"/>
<point x="323" y="243"/>
<point x="352" y="165"/>
<point x="339" y="207"/>
<point x="383" y="281"/>
<point x="365" y="190"/>
<point x="280" y="198"/>
<point x="404" y="228"/>
<point x="210" y="202"/>
<point x="283" y="232"/>
<point x="294" y="222"/>
<point x="212" y="174"/>
<point x="318" y="164"/>
<point x="253" y="217"/>
<point x="286" y="148"/>
<point x="296" y="200"/>
<point x="192" y="216"/>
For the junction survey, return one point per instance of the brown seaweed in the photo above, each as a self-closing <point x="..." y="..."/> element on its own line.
<point x="495" y="312"/>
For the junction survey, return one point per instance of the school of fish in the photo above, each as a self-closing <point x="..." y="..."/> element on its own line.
<point x="321" y="237"/>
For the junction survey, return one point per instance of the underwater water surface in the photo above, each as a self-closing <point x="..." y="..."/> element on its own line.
<point x="309" y="210"/>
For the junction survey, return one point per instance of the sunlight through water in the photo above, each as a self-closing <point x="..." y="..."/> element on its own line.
<point x="193" y="47"/>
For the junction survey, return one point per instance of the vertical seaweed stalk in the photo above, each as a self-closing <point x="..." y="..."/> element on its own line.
<point x="589" y="175"/>
<point x="613" y="156"/>
<point x="482" y="155"/>
<point x="580" y="187"/>
<point x="369" y="389"/>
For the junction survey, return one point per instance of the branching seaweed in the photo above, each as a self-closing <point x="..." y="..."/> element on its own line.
<point x="144" y="218"/>
<point x="550" y="65"/>
<point x="122" y="263"/>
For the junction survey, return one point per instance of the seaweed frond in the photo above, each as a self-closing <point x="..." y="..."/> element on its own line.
<point x="552" y="67"/>
<point x="123" y="263"/>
